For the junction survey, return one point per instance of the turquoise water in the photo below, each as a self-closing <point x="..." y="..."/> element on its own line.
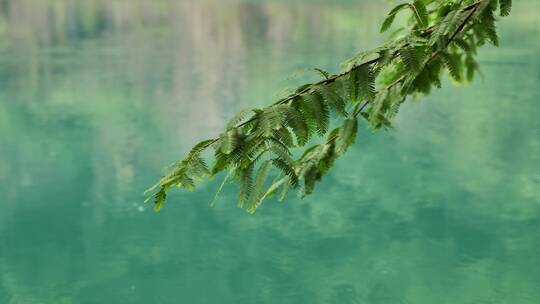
<point x="97" y="96"/>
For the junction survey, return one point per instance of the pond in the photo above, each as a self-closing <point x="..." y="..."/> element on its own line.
<point x="97" y="97"/>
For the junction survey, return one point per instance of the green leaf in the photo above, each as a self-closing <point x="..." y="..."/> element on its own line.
<point x="271" y="118"/>
<point x="246" y="184"/>
<point x="420" y="13"/>
<point x="197" y="167"/>
<point x="471" y="66"/>
<point x="411" y="58"/>
<point x="221" y="162"/>
<point x="324" y="73"/>
<point x="198" y="148"/>
<point x="280" y="150"/>
<point x="347" y="135"/>
<point x="303" y="87"/>
<point x="296" y="120"/>
<point x="487" y="26"/>
<point x="220" y="189"/>
<point x="229" y="141"/>
<point x="353" y="86"/>
<point x="257" y="191"/>
<point x="385" y="58"/>
<point x="285" y="190"/>
<point x="250" y="151"/>
<point x="284" y="136"/>
<point x="333" y="99"/>
<point x="366" y="83"/>
<point x="456" y="20"/>
<point x="483" y="6"/>
<point x="326" y="159"/>
<point x="440" y="34"/>
<point x="287" y="169"/>
<point x="309" y="151"/>
<point x="273" y="188"/>
<point x="391" y="16"/>
<point x="319" y="111"/>
<point x="362" y="84"/>
<point x="463" y="44"/>
<point x="453" y="64"/>
<point x="395" y="104"/>
<point x="160" y="198"/>
<point x="422" y="82"/>
<point x="505" y="7"/>
<point x="238" y="118"/>
<point x="398" y="8"/>
<point x="445" y="9"/>
<point x="387" y="23"/>
<point x="309" y="181"/>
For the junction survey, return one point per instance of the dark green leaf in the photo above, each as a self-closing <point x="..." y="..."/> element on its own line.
<point x="318" y="111"/>
<point x="347" y="135"/>
<point x="220" y="189"/>
<point x="296" y="120"/>
<point x="505" y="7"/>
<point x="238" y="118"/>
<point x="387" y="23"/>
<point x="246" y="184"/>
<point x="257" y="191"/>
<point x="229" y="141"/>
<point x="324" y="73"/>
<point x="420" y="13"/>
<point x="333" y="99"/>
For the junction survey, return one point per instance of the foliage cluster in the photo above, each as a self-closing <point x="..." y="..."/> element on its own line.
<point x="440" y="35"/>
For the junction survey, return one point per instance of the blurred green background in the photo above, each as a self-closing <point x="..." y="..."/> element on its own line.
<point x="96" y="97"/>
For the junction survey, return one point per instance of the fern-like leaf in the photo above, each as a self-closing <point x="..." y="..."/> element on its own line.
<point x="296" y="120"/>
<point x="258" y="186"/>
<point x="387" y="23"/>
<point x="284" y="191"/>
<point x="420" y="13"/>
<point x="159" y="198"/>
<point x="273" y="188"/>
<point x="229" y="141"/>
<point x="391" y="16"/>
<point x="472" y="66"/>
<point x="354" y="95"/>
<point x="238" y="118"/>
<point x="287" y="169"/>
<point x="366" y="83"/>
<point x="453" y="65"/>
<point x="324" y="73"/>
<point x="487" y="26"/>
<point x="246" y="184"/>
<point x="362" y="84"/>
<point x="332" y="98"/>
<point x="270" y="119"/>
<point x="221" y="162"/>
<point x="347" y="135"/>
<point x="197" y="167"/>
<point x="462" y="44"/>
<point x="411" y="58"/>
<point x="505" y="7"/>
<point x="318" y="111"/>
<point x="280" y="150"/>
<point x="220" y="189"/>
<point x="284" y="136"/>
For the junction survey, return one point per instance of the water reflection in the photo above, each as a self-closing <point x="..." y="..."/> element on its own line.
<point x="96" y="96"/>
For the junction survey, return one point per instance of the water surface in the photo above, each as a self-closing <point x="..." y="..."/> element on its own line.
<point x="97" y="96"/>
